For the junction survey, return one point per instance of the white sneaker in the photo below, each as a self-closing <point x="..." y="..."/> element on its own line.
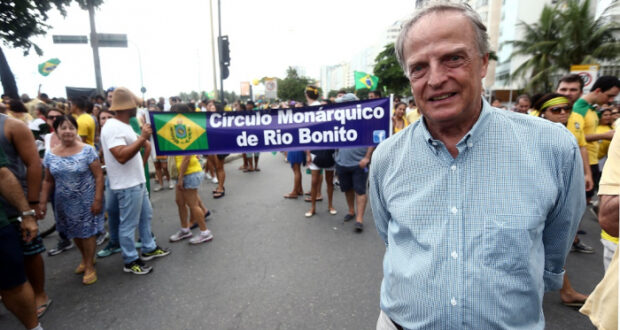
<point x="179" y="235"/>
<point x="201" y="238"/>
<point x="214" y="180"/>
<point x="158" y="188"/>
<point x="170" y="185"/>
<point x="208" y="176"/>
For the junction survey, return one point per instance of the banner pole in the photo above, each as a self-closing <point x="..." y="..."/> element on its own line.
<point x="391" y="114"/>
<point x="147" y="119"/>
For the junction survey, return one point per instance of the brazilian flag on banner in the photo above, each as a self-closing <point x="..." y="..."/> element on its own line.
<point x="365" y="80"/>
<point x="48" y="66"/>
<point x="181" y="131"/>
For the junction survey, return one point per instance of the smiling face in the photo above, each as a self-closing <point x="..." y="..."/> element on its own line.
<point x="399" y="111"/>
<point x="445" y="69"/>
<point x="67" y="133"/>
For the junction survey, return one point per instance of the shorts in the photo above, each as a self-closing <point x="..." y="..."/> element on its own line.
<point x="13" y="271"/>
<point x="352" y="177"/>
<point x="222" y="156"/>
<point x="254" y="154"/>
<point x="313" y="167"/>
<point x="33" y="247"/>
<point x="193" y="180"/>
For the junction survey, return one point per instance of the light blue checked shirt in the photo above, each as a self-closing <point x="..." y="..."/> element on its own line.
<point x="473" y="242"/>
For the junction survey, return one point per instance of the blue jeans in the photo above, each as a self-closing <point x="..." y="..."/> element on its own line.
<point x="111" y="206"/>
<point x="131" y="208"/>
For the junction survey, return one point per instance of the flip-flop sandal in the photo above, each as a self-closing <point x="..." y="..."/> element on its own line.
<point x="257" y="169"/>
<point x="43" y="308"/>
<point x="309" y="200"/>
<point x="309" y="214"/>
<point x="333" y="211"/>
<point x="218" y="194"/>
<point x="289" y="196"/>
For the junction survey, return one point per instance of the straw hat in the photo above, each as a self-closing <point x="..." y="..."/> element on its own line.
<point x="124" y="99"/>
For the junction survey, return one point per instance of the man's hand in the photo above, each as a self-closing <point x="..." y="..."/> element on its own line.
<point x="29" y="228"/>
<point x="146" y="131"/>
<point x="96" y="207"/>
<point x="364" y="162"/>
<point x="589" y="182"/>
<point x="42" y="210"/>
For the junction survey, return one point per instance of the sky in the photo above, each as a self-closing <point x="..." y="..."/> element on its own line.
<point x="171" y="42"/>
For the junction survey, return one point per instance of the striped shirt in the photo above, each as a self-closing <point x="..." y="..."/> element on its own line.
<point x="473" y="242"/>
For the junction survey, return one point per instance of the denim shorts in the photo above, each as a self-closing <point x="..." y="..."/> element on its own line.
<point x="192" y="181"/>
<point x="13" y="272"/>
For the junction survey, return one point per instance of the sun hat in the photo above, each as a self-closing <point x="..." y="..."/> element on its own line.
<point x="124" y="99"/>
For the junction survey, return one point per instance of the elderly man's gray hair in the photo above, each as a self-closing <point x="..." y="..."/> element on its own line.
<point x="480" y="30"/>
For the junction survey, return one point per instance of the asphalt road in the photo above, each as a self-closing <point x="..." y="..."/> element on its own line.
<point x="268" y="267"/>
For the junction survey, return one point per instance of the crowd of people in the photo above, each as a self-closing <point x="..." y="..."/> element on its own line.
<point x="94" y="154"/>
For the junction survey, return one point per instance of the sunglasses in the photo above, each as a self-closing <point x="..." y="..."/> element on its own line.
<point x="53" y="117"/>
<point x="557" y="110"/>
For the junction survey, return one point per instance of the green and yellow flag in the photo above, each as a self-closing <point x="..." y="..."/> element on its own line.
<point x="365" y="80"/>
<point x="48" y="66"/>
<point x="181" y="131"/>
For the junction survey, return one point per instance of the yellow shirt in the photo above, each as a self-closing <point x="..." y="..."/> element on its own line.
<point x="575" y="126"/>
<point x="86" y="128"/>
<point x="396" y="130"/>
<point x="413" y="115"/>
<point x="610" y="178"/>
<point x="603" y="145"/>
<point x="591" y="122"/>
<point x="192" y="167"/>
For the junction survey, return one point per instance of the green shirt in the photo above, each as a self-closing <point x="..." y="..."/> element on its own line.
<point x="4" y="162"/>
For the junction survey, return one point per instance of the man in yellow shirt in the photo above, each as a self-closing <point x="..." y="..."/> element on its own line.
<point x="604" y="90"/>
<point x="86" y="123"/>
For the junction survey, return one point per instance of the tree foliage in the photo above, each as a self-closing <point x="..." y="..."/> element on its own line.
<point x="21" y="20"/>
<point x="564" y="35"/>
<point x="391" y="76"/>
<point x="292" y="87"/>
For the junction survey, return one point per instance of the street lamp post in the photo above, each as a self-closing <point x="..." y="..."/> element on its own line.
<point x="94" y="42"/>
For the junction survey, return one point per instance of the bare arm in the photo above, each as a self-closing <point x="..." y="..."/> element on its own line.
<point x="586" y="168"/>
<point x="124" y="153"/>
<point x="600" y="136"/>
<point x="608" y="214"/>
<point x="12" y="191"/>
<point x="95" y="168"/>
<point x="23" y="140"/>
<point x="48" y="184"/>
<point x="364" y="162"/>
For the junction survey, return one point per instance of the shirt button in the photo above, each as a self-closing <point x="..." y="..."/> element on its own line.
<point x="434" y="143"/>
<point x="453" y="168"/>
<point x="453" y="301"/>
<point x="454" y="255"/>
<point x="469" y="144"/>
<point x="454" y="210"/>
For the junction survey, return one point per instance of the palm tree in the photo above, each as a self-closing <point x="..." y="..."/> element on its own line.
<point x="541" y="43"/>
<point x="586" y="40"/>
<point x="565" y="35"/>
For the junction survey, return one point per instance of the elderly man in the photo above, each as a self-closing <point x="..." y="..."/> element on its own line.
<point x="473" y="238"/>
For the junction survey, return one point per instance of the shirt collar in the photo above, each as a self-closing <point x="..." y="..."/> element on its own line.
<point x="470" y="138"/>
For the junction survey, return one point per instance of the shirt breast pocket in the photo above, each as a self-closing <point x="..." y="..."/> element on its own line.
<point x="510" y="240"/>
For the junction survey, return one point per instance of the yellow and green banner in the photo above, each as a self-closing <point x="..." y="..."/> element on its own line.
<point x="181" y="132"/>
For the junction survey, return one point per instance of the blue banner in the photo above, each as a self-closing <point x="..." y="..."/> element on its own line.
<point x="350" y="124"/>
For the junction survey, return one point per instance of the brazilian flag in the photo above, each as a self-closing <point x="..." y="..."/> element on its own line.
<point x="48" y="66"/>
<point x="180" y="132"/>
<point x="365" y="80"/>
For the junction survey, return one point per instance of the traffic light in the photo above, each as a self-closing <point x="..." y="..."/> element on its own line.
<point x="224" y="50"/>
